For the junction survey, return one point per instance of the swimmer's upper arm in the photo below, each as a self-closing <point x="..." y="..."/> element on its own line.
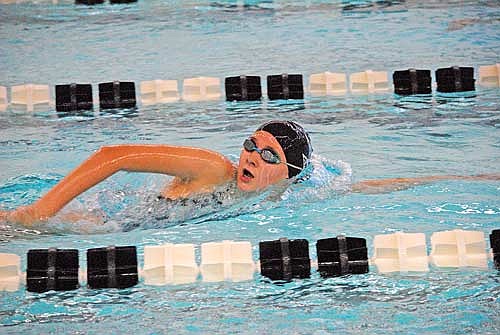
<point x="184" y="162"/>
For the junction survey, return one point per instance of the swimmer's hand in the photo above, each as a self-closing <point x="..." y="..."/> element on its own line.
<point x="28" y="216"/>
<point x="487" y="176"/>
<point x="25" y="215"/>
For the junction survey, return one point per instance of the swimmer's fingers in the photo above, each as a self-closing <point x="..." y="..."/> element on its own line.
<point x="488" y="176"/>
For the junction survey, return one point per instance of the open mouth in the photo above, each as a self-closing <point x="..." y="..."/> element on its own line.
<point x="247" y="173"/>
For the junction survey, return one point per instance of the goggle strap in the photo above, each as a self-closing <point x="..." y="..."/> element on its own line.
<point x="255" y="148"/>
<point x="295" y="167"/>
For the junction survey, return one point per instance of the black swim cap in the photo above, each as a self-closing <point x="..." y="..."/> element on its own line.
<point x="294" y="141"/>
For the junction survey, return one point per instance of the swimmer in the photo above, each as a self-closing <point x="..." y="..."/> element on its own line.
<point x="278" y="151"/>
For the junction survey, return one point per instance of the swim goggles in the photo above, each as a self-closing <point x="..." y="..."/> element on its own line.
<point x="267" y="155"/>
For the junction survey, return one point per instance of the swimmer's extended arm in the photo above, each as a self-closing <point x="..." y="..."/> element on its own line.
<point x="196" y="169"/>
<point x="397" y="184"/>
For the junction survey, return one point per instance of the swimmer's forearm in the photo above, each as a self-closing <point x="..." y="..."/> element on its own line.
<point x="187" y="163"/>
<point x="396" y="184"/>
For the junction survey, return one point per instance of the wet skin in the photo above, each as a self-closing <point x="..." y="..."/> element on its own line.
<point x="255" y="174"/>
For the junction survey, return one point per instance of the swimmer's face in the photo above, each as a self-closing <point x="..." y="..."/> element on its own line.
<point x="254" y="173"/>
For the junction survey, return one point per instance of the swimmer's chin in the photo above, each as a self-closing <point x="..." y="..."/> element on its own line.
<point x="244" y="187"/>
<point x="248" y="186"/>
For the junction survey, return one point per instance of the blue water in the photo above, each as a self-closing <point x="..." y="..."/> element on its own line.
<point x="380" y="136"/>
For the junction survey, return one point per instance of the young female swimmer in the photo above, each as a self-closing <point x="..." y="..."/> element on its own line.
<point x="276" y="151"/>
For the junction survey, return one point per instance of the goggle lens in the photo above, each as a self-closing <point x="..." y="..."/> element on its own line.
<point x="267" y="155"/>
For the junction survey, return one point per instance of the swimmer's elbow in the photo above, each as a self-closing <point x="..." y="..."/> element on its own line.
<point x="104" y="150"/>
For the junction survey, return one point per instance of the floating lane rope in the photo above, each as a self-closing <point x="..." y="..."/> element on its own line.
<point x="489" y="75"/>
<point x="72" y="97"/>
<point x="117" y="94"/>
<point x="455" y="79"/>
<point x="201" y="89"/>
<point x="4" y="101"/>
<point x="280" y="260"/>
<point x="227" y="261"/>
<point x="459" y="248"/>
<point x="369" y="82"/>
<point x="30" y="97"/>
<point x="285" y="86"/>
<point x="400" y="252"/>
<point x="243" y="88"/>
<point x="170" y="264"/>
<point x="327" y="83"/>
<point x="10" y="274"/>
<point x="285" y="259"/>
<point x="342" y="255"/>
<point x="112" y="267"/>
<point x="159" y="92"/>
<point x="412" y="81"/>
<point x="495" y="247"/>
<point x="52" y="269"/>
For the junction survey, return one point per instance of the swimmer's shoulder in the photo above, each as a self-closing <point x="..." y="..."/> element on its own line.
<point x="219" y="170"/>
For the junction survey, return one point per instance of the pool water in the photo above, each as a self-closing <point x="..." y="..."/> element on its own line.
<point x="378" y="135"/>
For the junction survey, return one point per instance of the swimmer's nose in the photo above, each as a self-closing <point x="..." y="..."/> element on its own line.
<point x="252" y="159"/>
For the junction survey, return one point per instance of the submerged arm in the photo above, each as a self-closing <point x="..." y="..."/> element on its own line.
<point x="397" y="184"/>
<point x="199" y="168"/>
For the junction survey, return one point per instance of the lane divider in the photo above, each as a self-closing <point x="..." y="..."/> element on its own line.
<point x="74" y="97"/>
<point x="279" y="260"/>
<point x="122" y="94"/>
<point x="327" y="83"/>
<point x="243" y="88"/>
<point x="227" y="261"/>
<point x="170" y="264"/>
<point x="201" y="89"/>
<point x="369" y="82"/>
<point x="489" y="75"/>
<point x="412" y="81"/>
<point x="400" y="252"/>
<point x="159" y="92"/>
<point x="459" y="248"/>
<point x="455" y="79"/>
<point x="112" y="267"/>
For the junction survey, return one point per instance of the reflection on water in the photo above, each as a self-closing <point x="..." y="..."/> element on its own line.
<point x="120" y="112"/>
<point x="368" y="6"/>
<point x="246" y="5"/>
